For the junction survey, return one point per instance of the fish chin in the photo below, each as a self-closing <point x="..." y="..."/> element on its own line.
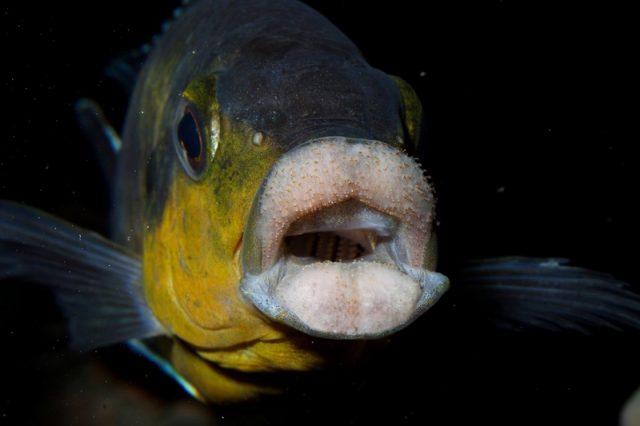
<point x="337" y="243"/>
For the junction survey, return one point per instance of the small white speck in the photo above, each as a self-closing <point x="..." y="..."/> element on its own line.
<point x="141" y="112"/>
<point x="257" y="138"/>
<point x="423" y="73"/>
<point x="80" y="236"/>
<point x="193" y="52"/>
<point x="551" y="263"/>
<point x="500" y="190"/>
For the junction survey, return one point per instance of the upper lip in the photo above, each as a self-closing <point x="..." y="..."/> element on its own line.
<point x="317" y="178"/>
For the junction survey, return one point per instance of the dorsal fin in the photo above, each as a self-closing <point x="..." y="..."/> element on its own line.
<point x="125" y="68"/>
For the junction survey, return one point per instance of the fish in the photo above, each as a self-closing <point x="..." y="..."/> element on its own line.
<point x="267" y="202"/>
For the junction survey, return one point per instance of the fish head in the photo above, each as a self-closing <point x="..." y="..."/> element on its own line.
<point x="332" y="235"/>
<point x="292" y="205"/>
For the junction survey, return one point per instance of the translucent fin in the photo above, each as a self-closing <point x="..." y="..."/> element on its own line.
<point x="125" y="69"/>
<point x="103" y="137"/>
<point x="147" y="351"/>
<point x="520" y="292"/>
<point x="96" y="283"/>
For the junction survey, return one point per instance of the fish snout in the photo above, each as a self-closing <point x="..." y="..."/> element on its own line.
<point x="339" y="239"/>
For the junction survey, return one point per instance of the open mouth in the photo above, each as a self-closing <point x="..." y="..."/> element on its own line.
<point x="333" y="246"/>
<point x="338" y="241"/>
<point x="340" y="233"/>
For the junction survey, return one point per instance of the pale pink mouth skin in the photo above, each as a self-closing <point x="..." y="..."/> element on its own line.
<point x="368" y="297"/>
<point x="330" y="171"/>
<point x="350" y="299"/>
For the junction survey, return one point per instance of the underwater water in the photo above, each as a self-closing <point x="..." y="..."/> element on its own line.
<point x="529" y="148"/>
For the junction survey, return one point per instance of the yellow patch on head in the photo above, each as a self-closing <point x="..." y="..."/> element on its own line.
<point x="411" y="112"/>
<point x="191" y="260"/>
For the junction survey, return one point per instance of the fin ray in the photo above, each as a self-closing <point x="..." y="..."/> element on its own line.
<point x="96" y="283"/>
<point x="546" y="293"/>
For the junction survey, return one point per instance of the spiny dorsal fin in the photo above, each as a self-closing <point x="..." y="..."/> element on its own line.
<point x="125" y="68"/>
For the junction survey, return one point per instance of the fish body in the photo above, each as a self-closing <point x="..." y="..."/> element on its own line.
<point x="266" y="206"/>
<point x="263" y="80"/>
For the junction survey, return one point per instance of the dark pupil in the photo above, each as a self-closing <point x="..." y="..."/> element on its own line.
<point x="189" y="136"/>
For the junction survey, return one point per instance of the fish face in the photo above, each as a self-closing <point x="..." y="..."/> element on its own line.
<point x="339" y="240"/>
<point x="278" y="203"/>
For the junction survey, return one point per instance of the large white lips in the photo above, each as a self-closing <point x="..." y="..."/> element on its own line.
<point x="338" y="240"/>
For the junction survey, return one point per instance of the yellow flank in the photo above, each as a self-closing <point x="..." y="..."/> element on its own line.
<point x="192" y="267"/>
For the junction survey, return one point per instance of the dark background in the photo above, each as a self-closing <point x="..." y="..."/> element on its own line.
<point x="531" y="138"/>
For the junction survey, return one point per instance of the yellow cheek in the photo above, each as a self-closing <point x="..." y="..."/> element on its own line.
<point x="192" y="272"/>
<point x="191" y="264"/>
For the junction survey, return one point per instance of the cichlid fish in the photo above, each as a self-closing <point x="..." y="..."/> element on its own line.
<point x="265" y="202"/>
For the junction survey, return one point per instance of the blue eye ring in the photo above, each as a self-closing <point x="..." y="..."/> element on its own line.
<point x="190" y="142"/>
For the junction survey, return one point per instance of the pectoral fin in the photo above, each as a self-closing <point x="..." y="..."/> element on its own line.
<point x="520" y="292"/>
<point x="104" y="139"/>
<point x="96" y="283"/>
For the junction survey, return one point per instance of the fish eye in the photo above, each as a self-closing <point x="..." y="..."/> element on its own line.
<point x="190" y="142"/>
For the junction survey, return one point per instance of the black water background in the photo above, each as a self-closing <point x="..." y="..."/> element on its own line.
<point x="531" y="148"/>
